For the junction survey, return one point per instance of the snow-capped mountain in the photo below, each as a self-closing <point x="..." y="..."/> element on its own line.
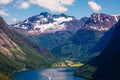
<point x="101" y="22"/>
<point x="48" y="23"/>
<point x="52" y="30"/>
<point x="45" y="23"/>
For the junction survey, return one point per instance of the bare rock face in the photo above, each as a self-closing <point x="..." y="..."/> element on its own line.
<point x="7" y="46"/>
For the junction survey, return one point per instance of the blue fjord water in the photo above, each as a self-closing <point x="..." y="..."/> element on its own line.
<point x="47" y="74"/>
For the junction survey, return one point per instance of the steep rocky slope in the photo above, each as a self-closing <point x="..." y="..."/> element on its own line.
<point x="17" y="53"/>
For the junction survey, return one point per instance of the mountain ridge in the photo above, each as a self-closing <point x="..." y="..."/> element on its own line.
<point x="38" y="24"/>
<point x="60" y="27"/>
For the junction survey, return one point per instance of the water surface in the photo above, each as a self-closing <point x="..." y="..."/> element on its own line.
<point x="47" y="74"/>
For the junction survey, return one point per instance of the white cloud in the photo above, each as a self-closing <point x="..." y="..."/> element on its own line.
<point x="94" y="6"/>
<point x="53" y="5"/>
<point x="14" y="20"/>
<point x="66" y="2"/>
<point x="21" y="4"/>
<point x="24" y="5"/>
<point x="3" y="13"/>
<point x="5" y="1"/>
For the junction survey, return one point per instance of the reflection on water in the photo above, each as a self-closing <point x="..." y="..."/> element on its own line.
<point x="47" y="74"/>
<point x="58" y="74"/>
<point x="50" y="78"/>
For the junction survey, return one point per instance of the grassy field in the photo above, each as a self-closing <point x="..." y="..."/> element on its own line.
<point x="67" y="63"/>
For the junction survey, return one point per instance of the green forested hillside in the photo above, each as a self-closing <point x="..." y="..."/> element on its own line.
<point x="79" y="46"/>
<point x="106" y="66"/>
<point x="17" y="53"/>
<point x="51" y="40"/>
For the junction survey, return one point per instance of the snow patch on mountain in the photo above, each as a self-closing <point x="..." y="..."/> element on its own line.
<point x="44" y="23"/>
<point x="56" y="25"/>
<point x="63" y="19"/>
<point x="116" y="17"/>
<point x="26" y="21"/>
<point x="47" y="23"/>
<point x="98" y="17"/>
<point x="99" y="29"/>
<point x="48" y="28"/>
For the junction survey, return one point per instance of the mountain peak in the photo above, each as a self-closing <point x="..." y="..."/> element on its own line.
<point x="101" y="21"/>
<point x="98" y="16"/>
<point x="1" y="19"/>
<point x="45" y="14"/>
<point x="2" y="22"/>
<point x="51" y="23"/>
<point x="45" y="23"/>
<point x="63" y="15"/>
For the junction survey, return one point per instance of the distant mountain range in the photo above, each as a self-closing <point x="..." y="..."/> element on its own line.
<point x="47" y="23"/>
<point x="106" y="65"/>
<point x="68" y="36"/>
<point x="17" y="53"/>
<point x="52" y="30"/>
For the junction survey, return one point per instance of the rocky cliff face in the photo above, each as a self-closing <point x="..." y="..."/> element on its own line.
<point x="7" y="45"/>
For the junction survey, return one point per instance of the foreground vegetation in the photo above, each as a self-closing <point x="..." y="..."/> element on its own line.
<point x="5" y="77"/>
<point x="85" y="71"/>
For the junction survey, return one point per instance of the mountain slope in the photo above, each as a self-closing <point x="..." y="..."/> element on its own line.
<point x="17" y="53"/>
<point x="79" y="46"/>
<point x="106" y="65"/>
<point x="50" y="30"/>
<point x="85" y="42"/>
